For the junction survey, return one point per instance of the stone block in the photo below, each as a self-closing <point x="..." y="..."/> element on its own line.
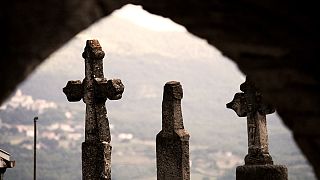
<point x="262" y="172"/>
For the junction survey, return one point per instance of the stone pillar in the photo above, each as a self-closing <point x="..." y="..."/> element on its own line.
<point x="258" y="161"/>
<point x="173" y="140"/>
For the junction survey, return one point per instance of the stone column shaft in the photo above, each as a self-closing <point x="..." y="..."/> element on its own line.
<point x="173" y="140"/>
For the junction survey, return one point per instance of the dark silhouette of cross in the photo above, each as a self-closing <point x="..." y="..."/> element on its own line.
<point x="250" y="104"/>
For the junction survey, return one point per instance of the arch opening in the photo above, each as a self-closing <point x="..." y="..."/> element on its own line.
<point x="145" y="59"/>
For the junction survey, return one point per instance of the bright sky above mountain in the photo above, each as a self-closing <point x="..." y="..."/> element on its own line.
<point x="143" y="18"/>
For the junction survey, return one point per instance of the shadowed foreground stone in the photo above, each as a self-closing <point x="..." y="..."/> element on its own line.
<point x="173" y="140"/>
<point x="95" y="90"/>
<point x="262" y="172"/>
<point x="274" y="41"/>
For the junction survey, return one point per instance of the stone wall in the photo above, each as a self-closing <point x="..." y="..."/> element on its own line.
<point x="275" y="42"/>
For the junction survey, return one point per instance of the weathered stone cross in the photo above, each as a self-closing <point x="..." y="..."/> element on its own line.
<point x="95" y="90"/>
<point x="251" y="105"/>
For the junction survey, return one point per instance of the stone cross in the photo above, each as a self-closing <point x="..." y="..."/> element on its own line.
<point x="95" y="90"/>
<point x="172" y="142"/>
<point x="251" y="105"/>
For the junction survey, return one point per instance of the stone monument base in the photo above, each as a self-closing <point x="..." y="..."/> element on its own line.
<point x="262" y="172"/>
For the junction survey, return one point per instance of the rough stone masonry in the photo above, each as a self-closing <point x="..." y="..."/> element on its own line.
<point x="276" y="42"/>
<point x="95" y="90"/>
<point x="173" y="140"/>
<point x="258" y="161"/>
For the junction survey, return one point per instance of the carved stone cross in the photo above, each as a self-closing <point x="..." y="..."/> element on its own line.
<point x="251" y="105"/>
<point x="95" y="90"/>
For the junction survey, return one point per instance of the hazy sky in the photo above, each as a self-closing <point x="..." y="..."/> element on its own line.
<point x="133" y="31"/>
<point x="142" y="18"/>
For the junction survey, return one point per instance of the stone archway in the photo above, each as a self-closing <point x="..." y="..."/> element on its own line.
<point x="274" y="42"/>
